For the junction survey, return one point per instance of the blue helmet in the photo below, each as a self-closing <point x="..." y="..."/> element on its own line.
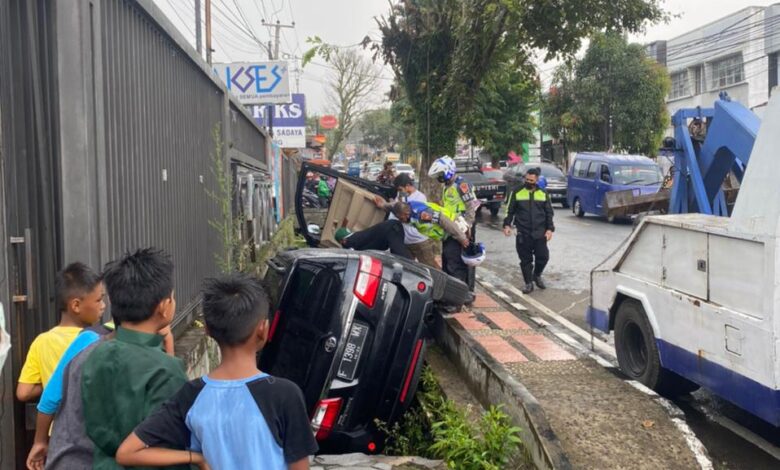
<point x="473" y="255"/>
<point x="542" y="183"/>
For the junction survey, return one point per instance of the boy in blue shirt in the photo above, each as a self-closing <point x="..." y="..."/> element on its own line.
<point x="236" y="416"/>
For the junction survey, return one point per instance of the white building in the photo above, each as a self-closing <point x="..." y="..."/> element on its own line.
<point x="737" y="54"/>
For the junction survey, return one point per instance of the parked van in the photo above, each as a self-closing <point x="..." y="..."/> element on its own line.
<point x="592" y="175"/>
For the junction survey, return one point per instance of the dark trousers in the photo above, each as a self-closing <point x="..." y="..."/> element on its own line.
<point x="533" y="255"/>
<point x="324" y="201"/>
<point x="452" y="263"/>
<point x="382" y="236"/>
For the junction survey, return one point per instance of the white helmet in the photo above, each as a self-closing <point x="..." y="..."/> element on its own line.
<point x="473" y="255"/>
<point x="443" y="165"/>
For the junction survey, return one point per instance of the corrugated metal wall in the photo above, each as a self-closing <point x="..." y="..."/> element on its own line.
<point x="160" y="110"/>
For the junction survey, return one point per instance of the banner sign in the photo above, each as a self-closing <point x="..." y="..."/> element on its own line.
<point x="289" y="121"/>
<point x="256" y="82"/>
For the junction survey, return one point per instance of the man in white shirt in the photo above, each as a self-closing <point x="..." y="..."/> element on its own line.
<point x="421" y="247"/>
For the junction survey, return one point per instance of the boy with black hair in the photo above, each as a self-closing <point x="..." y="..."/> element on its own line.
<point x="126" y="378"/>
<point x="236" y="417"/>
<point x="80" y="299"/>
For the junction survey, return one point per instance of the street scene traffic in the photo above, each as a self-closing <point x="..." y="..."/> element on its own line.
<point x="462" y="234"/>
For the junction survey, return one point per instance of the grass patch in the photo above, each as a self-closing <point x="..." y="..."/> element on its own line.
<point x="434" y="427"/>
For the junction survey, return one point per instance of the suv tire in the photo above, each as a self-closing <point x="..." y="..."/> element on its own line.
<point x="577" y="207"/>
<point x="637" y="352"/>
<point x="494" y="209"/>
<point x="447" y="290"/>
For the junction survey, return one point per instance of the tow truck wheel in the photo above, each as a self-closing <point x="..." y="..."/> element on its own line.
<point x="577" y="208"/>
<point x="637" y="352"/>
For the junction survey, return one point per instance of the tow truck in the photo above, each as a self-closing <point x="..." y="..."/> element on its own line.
<point x="693" y="297"/>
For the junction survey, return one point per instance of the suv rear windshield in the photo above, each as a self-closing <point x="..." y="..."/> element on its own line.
<point x="312" y="297"/>
<point x="549" y="171"/>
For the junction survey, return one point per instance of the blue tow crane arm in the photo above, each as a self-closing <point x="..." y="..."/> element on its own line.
<point x="702" y="166"/>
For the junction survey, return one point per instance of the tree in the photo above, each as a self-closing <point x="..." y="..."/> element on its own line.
<point x="442" y="50"/>
<point x="502" y="119"/>
<point x="379" y="130"/>
<point x="351" y="82"/>
<point x="615" y="99"/>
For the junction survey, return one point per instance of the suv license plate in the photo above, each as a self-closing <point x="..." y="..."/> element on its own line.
<point x="352" y="351"/>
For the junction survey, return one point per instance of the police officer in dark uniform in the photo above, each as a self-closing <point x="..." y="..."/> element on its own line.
<point x="531" y="212"/>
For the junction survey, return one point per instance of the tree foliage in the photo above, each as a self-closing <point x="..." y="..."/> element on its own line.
<point x="612" y="99"/>
<point x="379" y="130"/>
<point x="350" y="84"/>
<point x="502" y="117"/>
<point x="441" y="51"/>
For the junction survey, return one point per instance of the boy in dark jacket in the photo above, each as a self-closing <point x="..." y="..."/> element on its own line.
<point x="531" y="213"/>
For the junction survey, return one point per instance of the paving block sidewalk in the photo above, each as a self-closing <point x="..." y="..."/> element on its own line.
<point x="600" y="420"/>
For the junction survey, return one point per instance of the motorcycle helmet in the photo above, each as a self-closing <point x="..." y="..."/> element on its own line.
<point x="474" y="254"/>
<point x="443" y="168"/>
<point x="542" y="183"/>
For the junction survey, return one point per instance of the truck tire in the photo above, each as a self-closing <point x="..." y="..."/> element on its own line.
<point x="637" y="352"/>
<point x="447" y="290"/>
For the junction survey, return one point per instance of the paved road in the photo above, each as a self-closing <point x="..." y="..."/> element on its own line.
<point x="579" y="244"/>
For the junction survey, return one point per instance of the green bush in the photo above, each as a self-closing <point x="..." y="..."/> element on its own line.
<point x="435" y="428"/>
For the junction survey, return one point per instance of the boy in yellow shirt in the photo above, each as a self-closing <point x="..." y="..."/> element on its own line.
<point x="81" y="300"/>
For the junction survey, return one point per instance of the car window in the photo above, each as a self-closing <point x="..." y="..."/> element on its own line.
<point x="579" y="169"/>
<point x="403" y="167"/>
<point x="592" y="170"/>
<point x="642" y="175"/>
<point x="604" y="174"/>
<point x="549" y="171"/>
<point x="493" y="174"/>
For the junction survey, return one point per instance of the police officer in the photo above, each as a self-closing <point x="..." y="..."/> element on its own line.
<point x="457" y="197"/>
<point x="531" y="212"/>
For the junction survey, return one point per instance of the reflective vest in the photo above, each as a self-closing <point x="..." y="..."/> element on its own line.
<point x="525" y="195"/>
<point x="455" y="196"/>
<point x="430" y="229"/>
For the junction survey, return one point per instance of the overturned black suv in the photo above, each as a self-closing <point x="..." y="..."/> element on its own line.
<point x="350" y="327"/>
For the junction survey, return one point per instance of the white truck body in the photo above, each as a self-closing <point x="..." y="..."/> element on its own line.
<point x="710" y="286"/>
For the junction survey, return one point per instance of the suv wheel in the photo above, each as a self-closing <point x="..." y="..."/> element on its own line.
<point x="577" y="208"/>
<point x="494" y="210"/>
<point x="637" y="352"/>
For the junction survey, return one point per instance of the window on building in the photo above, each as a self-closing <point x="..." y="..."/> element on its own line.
<point x="698" y="82"/>
<point x="680" y="85"/>
<point x="773" y="71"/>
<point x="727" y="72"/>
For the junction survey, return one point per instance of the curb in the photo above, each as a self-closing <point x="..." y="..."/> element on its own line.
<point x="491" y="383"/>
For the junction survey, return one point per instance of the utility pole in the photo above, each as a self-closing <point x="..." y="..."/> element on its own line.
<point x="278" y="27"/>
<point x="208" y="31"/>
<point x="274" y="56"/>
<point x="198" y="39"/>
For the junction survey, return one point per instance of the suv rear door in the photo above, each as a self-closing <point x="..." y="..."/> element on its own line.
<point x="352" y="202"/>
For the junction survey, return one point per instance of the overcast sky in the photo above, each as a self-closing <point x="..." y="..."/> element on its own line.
<point x="346" y="22"/>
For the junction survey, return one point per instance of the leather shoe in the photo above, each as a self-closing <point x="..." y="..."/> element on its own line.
<point x="470" y="301"/>
<point x="528" y="288"/>
<point x="540" y="282"/>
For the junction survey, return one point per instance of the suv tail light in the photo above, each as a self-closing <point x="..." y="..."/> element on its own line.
<point x="325" y="415"/>
<point x="410" y="372"/>
<point x="274" y="324"/>
<point x="367" y="282"/>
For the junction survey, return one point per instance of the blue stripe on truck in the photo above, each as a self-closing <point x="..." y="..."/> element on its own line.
<point x="598" y="319"/>
<point x="746" y="393"/>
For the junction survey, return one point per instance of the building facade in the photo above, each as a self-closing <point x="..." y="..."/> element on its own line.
<point x="737" y="54"/>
